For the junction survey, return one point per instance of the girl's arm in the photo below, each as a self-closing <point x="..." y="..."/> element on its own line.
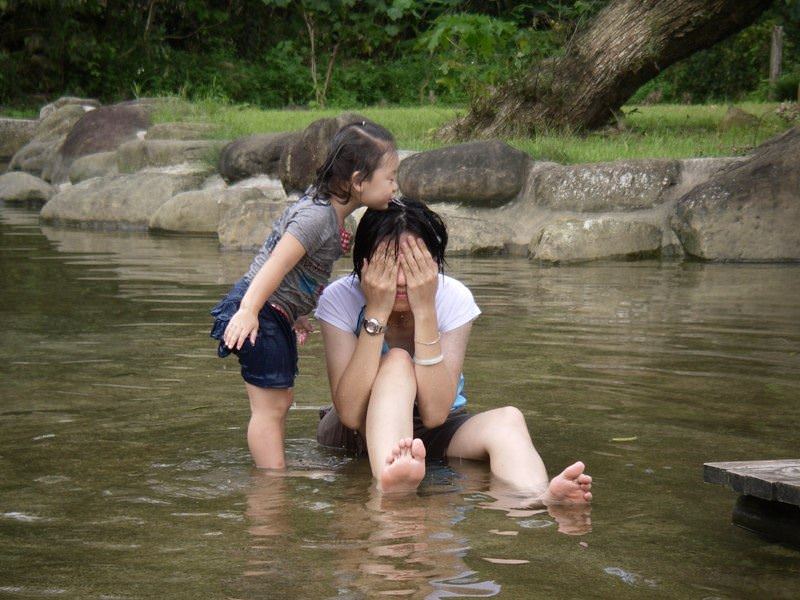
<point x="244" y="324"/>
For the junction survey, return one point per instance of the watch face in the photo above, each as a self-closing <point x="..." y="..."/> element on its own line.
<point x="372" y="326"/>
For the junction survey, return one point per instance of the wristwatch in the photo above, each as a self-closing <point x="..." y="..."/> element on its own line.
<point x="373" y="326"/>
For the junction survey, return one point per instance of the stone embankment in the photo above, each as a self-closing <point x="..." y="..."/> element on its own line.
<point x="110" y="166"/>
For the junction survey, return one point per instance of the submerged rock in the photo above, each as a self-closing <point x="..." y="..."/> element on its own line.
<point x="573" y="240"/>
<point x="749" y="211"/>
<point x="486" y="173"/>
<point x="198" y="211"/>
<point x="24" y="187"/>
<point x="121" y="201"/>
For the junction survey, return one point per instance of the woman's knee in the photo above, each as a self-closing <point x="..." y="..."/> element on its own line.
<point x="397" y="359"/>
<point x="508" y="418"/>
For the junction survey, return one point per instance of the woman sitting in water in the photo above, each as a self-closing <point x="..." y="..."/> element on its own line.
<point x="395" y="334"/>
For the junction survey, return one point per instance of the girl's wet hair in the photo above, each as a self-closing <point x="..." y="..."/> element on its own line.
<point x="404" y="215"/>
<point x="357" y="147"/>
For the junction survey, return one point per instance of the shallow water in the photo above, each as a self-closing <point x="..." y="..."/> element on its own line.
<point x="124" y="471"/>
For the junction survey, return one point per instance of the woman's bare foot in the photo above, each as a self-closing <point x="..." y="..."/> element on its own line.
<point x="571" y="486"/>
<point x="405" y="467"/>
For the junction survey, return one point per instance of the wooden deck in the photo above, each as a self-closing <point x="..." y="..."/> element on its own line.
<point x="770" y="495"/>
<point x="776" y="480"/>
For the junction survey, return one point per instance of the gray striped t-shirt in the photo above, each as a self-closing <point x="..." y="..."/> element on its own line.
<point x="315" y="226"/>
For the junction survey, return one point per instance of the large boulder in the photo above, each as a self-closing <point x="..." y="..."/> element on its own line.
<point x="93" y="165"/>
<point x="14" y="134"/>
<point x="600" y="187"/>
<point x="121" y="201"/>
<point x="100" y="130"/>
<point x="245" y="225"/>
<point x="24" y="187"/>
<point x="574" y="240"/>
<point x="39" y="155"/>
<point x="49" y="109"/>
<point x="140" y="154"/>
<point x="486" y="174"/>
<point x="181" y="131"/>
<point x="749" y="211"/>
<point x="254" y="155"/>
<point x="197" y="211"/>
<point x="305" y="154"/>
<point x="471" y="235"/>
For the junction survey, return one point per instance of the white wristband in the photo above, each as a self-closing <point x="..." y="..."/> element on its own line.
<point x="428" y="362"/>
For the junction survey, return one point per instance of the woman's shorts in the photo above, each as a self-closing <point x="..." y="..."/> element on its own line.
<point x="272" y="361"/>
<point x="332" y="434"/>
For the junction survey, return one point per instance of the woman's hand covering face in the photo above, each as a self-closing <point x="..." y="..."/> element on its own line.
<point x="421" y="273"/>
<point x="379" y="282"/>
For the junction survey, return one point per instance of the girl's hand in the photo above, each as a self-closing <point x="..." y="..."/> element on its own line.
<point x="242" y="326"/>
<point x="422" y="274"/>
<point x="302" y="327"/>
<point x="379" y="283"/>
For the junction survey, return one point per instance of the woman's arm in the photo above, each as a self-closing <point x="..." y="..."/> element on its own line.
<point x="352" y="360"/>
<point x="352" y="364"/>
<point x="244" y="324"/>
<point x="436" y="383"/>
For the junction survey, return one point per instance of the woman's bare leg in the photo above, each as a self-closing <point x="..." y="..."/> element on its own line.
<point x="397" y="461"/>
<point x="501" y="435"/>
<point x="267" y="428"/>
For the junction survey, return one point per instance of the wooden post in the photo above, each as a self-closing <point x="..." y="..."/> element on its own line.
<point x="775" y="56"/>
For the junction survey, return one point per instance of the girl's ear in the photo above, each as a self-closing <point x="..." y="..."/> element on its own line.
<point x="356" y="182"/>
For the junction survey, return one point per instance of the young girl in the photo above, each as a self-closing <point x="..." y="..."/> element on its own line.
<point x="288" y="274"/>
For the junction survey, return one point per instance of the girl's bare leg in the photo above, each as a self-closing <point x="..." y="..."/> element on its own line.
<point x="267" y="428"/>
<point x="397" y="461"/>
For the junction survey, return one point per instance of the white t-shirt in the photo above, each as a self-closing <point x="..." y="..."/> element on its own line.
<point x="341" y="303"/>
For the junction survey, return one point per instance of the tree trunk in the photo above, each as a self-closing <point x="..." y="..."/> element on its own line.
<point x="626" y="45"/>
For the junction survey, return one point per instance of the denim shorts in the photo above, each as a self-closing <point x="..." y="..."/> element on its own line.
<point x="272" y="361"/>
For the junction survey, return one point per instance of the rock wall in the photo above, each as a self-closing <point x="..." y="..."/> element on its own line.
<point x="495" y="199"/>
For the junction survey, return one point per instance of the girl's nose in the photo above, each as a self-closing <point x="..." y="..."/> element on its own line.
<point x="401" y="278"/>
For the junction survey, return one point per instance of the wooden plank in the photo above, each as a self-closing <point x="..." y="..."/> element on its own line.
<point x="777" y="480"/>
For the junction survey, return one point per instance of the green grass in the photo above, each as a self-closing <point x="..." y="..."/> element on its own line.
<point x="658" y="131"/>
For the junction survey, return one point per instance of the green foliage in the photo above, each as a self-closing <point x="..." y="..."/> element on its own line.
<point x="259" y="52"/>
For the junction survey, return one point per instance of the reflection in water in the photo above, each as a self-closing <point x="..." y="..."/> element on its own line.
<point x="125" y="471"/>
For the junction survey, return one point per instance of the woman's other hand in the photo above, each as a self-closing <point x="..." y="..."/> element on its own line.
<point x="242" y="326"/>
<point x="421" y="274"/>
<point x="379" y="283"/>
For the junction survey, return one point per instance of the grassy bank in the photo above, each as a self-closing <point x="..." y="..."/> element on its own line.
<point x="658" y="131"/>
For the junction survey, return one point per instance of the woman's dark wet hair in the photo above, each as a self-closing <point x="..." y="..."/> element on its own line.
<point x="403" y="215"/>
<point x="356" y="147"/>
